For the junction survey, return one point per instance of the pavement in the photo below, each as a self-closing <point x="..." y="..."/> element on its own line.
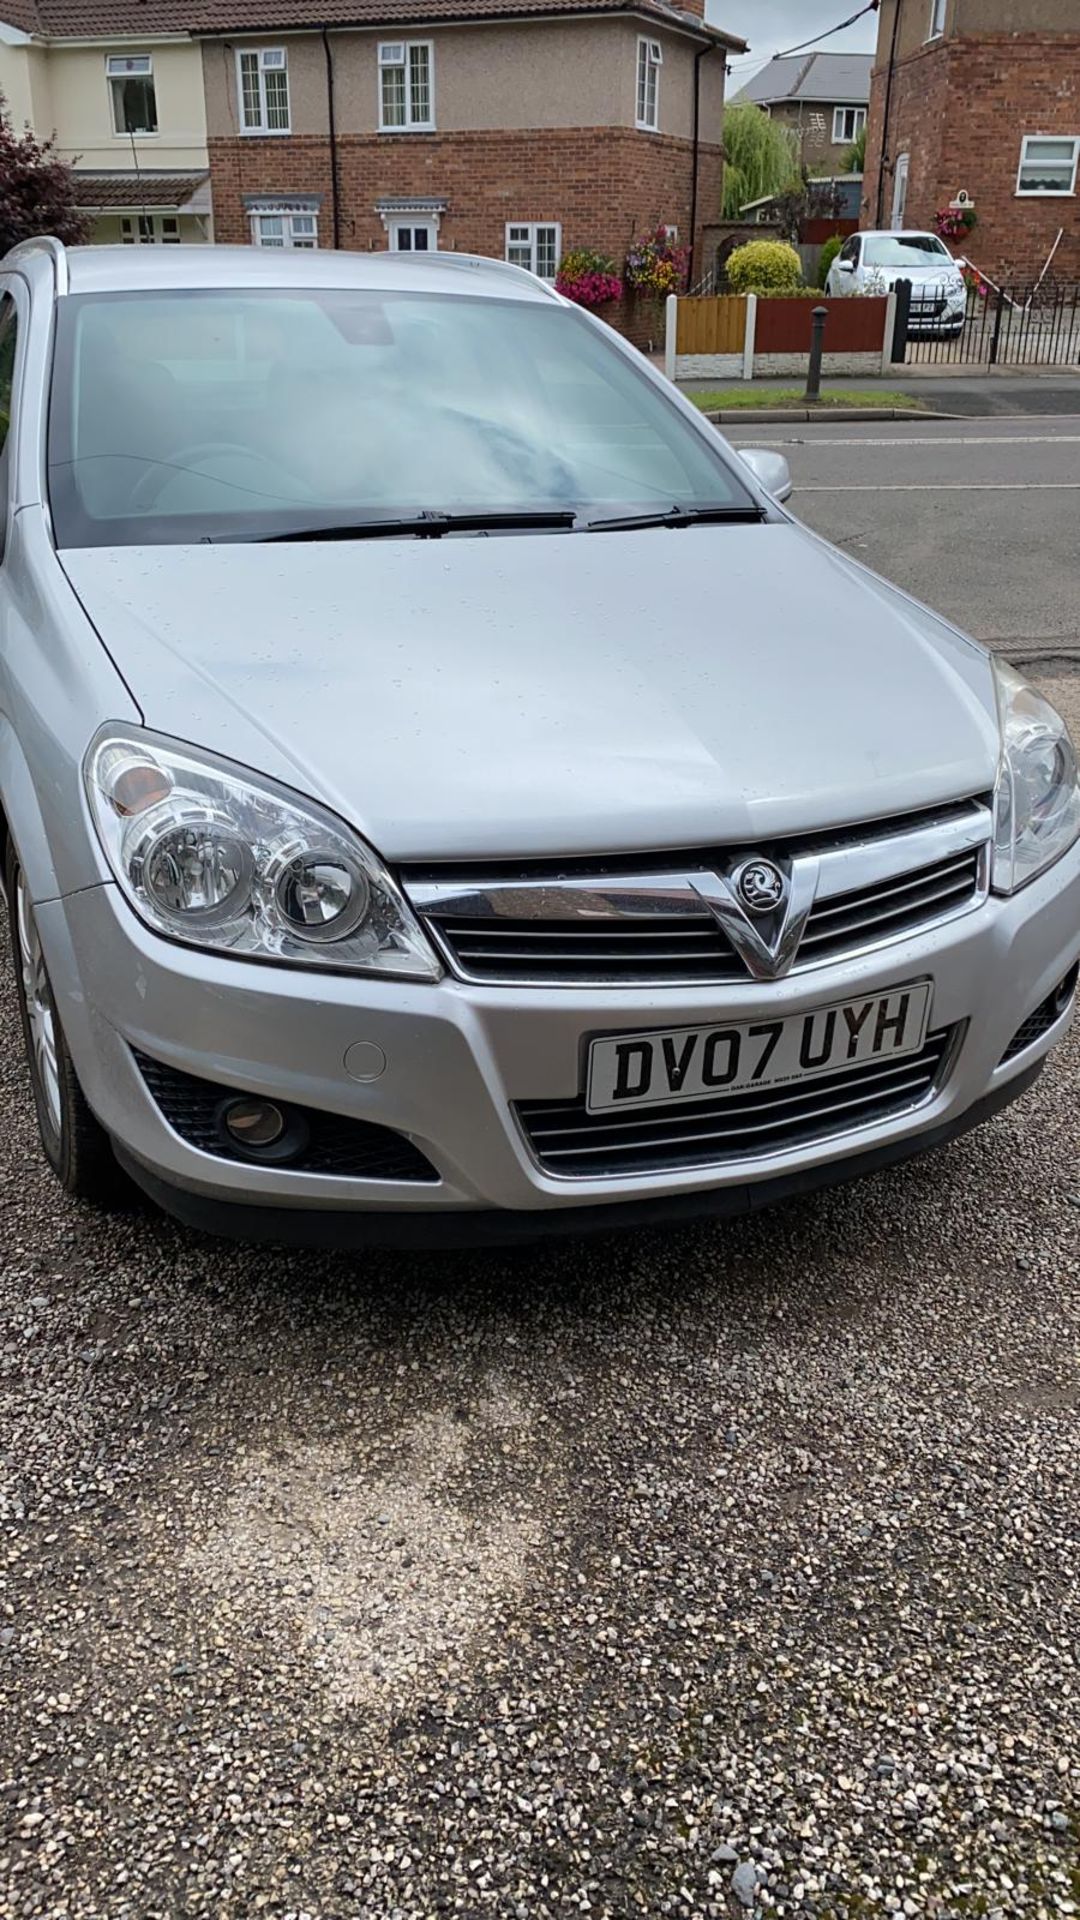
<point x="1051" y="390"/>
<point x="727" y="1570"/>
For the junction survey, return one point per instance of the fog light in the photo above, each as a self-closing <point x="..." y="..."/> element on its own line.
<point x="254" y="1123"/>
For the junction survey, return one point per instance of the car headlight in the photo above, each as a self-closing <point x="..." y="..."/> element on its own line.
<point x="1037" y="802"/>
<point x="222" y="859"/>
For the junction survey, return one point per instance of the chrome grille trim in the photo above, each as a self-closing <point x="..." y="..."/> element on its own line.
<point x="571" y="1143"/>
<point x="639" y="927"/>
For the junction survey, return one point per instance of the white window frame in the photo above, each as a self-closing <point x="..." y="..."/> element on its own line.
<point x="385" y="63"/>
<point x="650" y="59"/>
<point x="291" y="239"/>
<point x="839" y="137"/>
<point x="122" y="66"/>
<point x="279" y="58"/>
<point x="531" y="230"/>
<point x="1047" y="193"/>
<point x="938" y="9"/>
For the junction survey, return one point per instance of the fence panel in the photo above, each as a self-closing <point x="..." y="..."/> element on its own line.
<point x="712" y="324"/>
<point x="853" y="326"/>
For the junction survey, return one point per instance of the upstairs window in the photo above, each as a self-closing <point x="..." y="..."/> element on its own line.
<point x="406" y="86"/>
<point x="650" y="59"/>
<point x="1048" y="165"/>
<point x="535" y="245"/>
<point x="263" y="80"/>
<point x="937" y="19"/>
<point x="847" y="124"/>
<point x="131" y="86"/>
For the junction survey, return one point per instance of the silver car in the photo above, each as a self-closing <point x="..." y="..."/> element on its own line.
<point x="445" y="794"/>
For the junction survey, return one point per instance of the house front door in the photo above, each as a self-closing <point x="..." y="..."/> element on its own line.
<point x="415" y="234"/>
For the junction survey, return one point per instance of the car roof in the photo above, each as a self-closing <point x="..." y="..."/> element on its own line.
<point x="164" y="269"/>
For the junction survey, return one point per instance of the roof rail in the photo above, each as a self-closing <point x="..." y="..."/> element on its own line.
<point x="470" y="261"/>
<point x="56" y="251"/>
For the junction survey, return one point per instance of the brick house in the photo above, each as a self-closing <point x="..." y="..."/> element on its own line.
<point x="822" y="97"/>
<point x="517" y="128"/>
<point x="980" y="97"/>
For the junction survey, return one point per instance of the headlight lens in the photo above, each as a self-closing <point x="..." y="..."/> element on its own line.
<point x="211" y="855"/>
<point x="1037" y="804"/>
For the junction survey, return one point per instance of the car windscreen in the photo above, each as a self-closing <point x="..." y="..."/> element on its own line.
<point x="912" y="250"/>
<point x="202" y="414"/>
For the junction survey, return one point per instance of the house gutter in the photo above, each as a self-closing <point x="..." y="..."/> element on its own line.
<point x="695" y="144"/>
<point x="885" y="115"/>
<point x="331" y="121"/>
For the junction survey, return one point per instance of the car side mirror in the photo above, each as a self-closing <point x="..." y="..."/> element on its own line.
<point x="770" y="470"/>
<point x="846" y="266"/>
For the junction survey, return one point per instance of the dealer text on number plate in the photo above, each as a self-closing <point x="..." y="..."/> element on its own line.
<point x="690" y="1063"/>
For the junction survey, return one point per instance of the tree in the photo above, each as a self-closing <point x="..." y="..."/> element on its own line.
<point x="37" y="190"/>
<point x="760" y="158"/>
<point x="854" y="160"/>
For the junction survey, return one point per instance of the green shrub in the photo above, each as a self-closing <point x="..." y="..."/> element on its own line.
<point x="764" y="266"/>
<point x="828" y="254"/>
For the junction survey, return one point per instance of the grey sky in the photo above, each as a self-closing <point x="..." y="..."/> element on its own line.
<point x="771" y="26"/>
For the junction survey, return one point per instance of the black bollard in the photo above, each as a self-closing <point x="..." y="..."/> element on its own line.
<point x="817" y="336"/>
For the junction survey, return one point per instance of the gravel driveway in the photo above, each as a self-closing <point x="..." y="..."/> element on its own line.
<point x="724" y="1570"/>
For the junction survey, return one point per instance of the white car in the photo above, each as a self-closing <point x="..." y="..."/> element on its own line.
<point x="874" y="262"/>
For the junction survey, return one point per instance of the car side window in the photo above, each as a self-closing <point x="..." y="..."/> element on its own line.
<point x="8" y="327"/>
<point x="849" y="250"/>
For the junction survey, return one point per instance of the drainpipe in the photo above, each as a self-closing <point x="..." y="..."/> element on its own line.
<point x="695" y="142"/>
<point x="885" y="114"/>
<point x="331" y="119"/>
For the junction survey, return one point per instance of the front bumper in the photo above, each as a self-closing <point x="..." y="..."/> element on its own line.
<point x="458" y="1056"/>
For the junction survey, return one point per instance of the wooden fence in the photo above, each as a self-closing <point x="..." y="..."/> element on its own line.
<point x="740" y="336"/>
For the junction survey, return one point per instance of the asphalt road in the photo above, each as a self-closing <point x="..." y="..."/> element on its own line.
<point x="728" y="1570"/>
<point x="981" y="518"/>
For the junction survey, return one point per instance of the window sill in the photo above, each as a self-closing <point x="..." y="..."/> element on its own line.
<point x="128" y="137"/>
<point x="1045" y="193"/>
<point x="428" y="127"/>
<point x="265" y="133"/>
<point x="645" y="126"/>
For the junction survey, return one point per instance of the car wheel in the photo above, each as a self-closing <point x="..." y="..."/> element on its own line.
<point x="75" y="1146"/>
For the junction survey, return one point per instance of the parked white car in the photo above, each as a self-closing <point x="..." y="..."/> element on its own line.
<point x="874" y="262"/>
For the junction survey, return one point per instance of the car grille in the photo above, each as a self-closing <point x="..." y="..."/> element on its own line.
<point x="565" y="929"/>
<point x="332" y="1143"/>
<point x="568" y="1140"/>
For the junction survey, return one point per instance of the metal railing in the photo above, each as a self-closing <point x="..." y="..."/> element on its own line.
<point x="1036" y="324"/>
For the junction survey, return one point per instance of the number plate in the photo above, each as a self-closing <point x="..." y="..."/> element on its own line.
<point x="690" y="1063"/>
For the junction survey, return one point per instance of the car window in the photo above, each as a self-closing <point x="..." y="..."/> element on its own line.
<point x="905" y="250"/>
<point x="195" y="415"/>
<point x="8" y="327"/>
<point x="850" y="249"/>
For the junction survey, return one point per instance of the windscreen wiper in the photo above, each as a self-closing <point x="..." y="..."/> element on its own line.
<point x="678" y="517"/>
<point x="431" y="526"/>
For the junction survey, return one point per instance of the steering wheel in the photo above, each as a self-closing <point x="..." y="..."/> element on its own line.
<point x="149" y="485"/>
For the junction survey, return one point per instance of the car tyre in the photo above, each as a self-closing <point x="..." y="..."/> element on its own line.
<point x="76" y="1147"/>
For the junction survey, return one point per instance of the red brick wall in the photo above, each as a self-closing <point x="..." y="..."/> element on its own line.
<point x="960" y="109"/>
<point x="605" y="184"/>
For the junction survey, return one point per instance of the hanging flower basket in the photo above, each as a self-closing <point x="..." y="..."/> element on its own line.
<point x="588" y="278"/>
<point x="954" y="223"/>
<point x="655" y="266"/>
